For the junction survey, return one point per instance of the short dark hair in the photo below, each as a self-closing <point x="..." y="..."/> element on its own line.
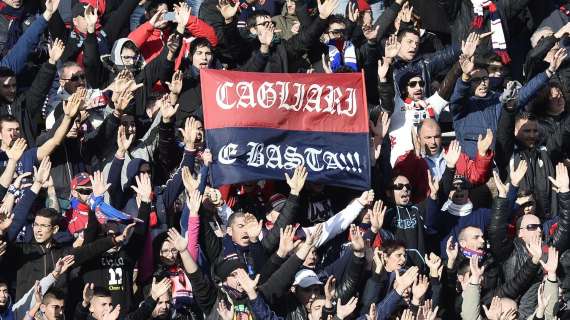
<point x="130" y="45"/>
<point x="67" y="65"/>
<point x="336" y="18"/>
<point x="7" y="118"/>
<point x="389" y="246"/>
<point x="402" y="33"/>
<point x="197" y="43"/>
<point x="53" y="294"/>
<point x="49" y="213"/>
<point x="101" y="292"/>
<point x="235" y="215"/>
<point x="525" y="115"/>
<point x="6" y="72"/>
<point x="252" y="20"/>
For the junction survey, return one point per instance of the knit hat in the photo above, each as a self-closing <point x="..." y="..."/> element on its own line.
<point x="404" y="77"/>
<point x="276" y="203"/>
<point x="78" y="10"/>
<point x="81" y="179"/>
<point x="306" y="278"/>
<point x="228" y="264"/>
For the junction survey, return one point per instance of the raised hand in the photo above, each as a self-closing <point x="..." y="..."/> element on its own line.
<point x="75" y="103"/>
<point x="380" y="129"/>
<point x="476" y="271"/>
<point x="469" y="46"/>
<point x="17" y="149"/>
<point x="182" y="12"/>
<point x="55" y="51"/>
<point x="87" y="294"/>
<point x="483" y="144"/>
<point x="51" y="8"/>
<point x="6" y="218"/>
<point x="173" y="43"/>
<point x="406" y="12"/>
<point x="392" y="47"/>
<point x="123" y="143"/>
<point x="467" y="64"/>
<point x="225" y="312"/>
<point x="557" y="60"/>
<point x="377" y="216"/>
<point x="330" y="290"/>
<point x="253" y="227"/>
<point x="551" y="264"/>
<point x="345" y="310"/>
<point x="407" y="315"/>
<point x="494" y="310"/>
<point x="326" y="8"/>
<point x="406" y="280"/>
<point x="287" y="241"/>
<point x="91" y="18"/>
<point x="63" y="264"/>
<point x="227" y="9"/>
<point x="98" y="183"/>
<point x="372" y="314"/>
<point x="125" y="234"/>
<point x="433" y="261"/>
<point x="561" y="184"/>
<point x="453" y="153"/>
<point x="18" y="181"/>
<point x="379" y="262"/>
<point x="248" y="285"/>
<point x="178" y="241"/>
<point x="535" y="249"/>
<point x="366" y="198"/>
<point x="194" y="202"/>
<point x="502" y="188"/>
<point x="326" y="64"/>
<point x="518" y="174"/>
<point x="41" y="175"/>
<point x="3" y="247"/>
<point x="157" y="20"/>
<point x="188" y="180"/>
<point x="113" y="314"/>
<point x="314" y="237"/>
<point x="190" y="132"/>
<point x="383" y="68"/>
<point x="356" y="240"/>
<point x="124" y="81"/>
<point x="419" y="289"/>
<point x="370" y="33"/>
<point x="265" y="38"/>
<point x="542" y="301"/>
<point x="159" y="288"/>
<point x="433" y="185"/>
<point x="143" y="187"/>
<point x="167" y="110"/>
<point x="297" y="182"/>
<point x="452" y="250"/>
<point x="352" y="11"/>
<point x="175" y="84"/>
<point x="122" y="99"/>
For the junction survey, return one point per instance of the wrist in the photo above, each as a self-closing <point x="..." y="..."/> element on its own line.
<point x="551" y="277"/>
<point x="166" y="119"/>
<point x="450" y="166"/>
<point x="51" y="61"/>
<point x="281" y="253"/>
<point x="264" y="48"/>
<point x="294" y="192"/>
<point x="47" y="15"/>
<point x="117" y="113"/>
<point x="252" y="295"/>
<point x="465" y="77"/>
<point x="416" y="302"/>
<point x="228" y="20"/>
<point x="563" y="190"/>
<point x="359" y="254"/>
<point x="90" y="29"/>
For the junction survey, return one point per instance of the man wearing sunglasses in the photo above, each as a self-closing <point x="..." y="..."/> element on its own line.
<point x="514" y="253"/>
<point x="476" y="108"/>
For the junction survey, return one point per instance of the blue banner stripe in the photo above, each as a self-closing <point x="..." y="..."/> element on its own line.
<point x="248" y="154"/>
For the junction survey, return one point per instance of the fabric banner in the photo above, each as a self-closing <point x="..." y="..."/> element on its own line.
<point x="260" y="125"/>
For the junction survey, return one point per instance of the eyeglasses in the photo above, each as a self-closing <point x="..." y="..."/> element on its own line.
<point x="165" y="251"/>
<point x="84" y="192"/>
<point x="266" y="24"/>
<point x="413" y="84"/>
<point x="401" y="186"/>
<point x="41" y="226"/>
<point x="76" y="77"/>
<point x="532" y="226"/>
<point x="479" y="79"/>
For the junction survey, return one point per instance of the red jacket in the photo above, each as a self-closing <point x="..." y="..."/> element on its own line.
<point x="150" y="41"/>
<point x="415" y="168"/>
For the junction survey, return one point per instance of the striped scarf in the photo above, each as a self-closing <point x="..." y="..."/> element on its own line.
<point x="498" y="37"/>
<point x="342" y="52"/>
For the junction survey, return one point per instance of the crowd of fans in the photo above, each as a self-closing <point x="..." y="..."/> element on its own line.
<point x="108" y="211"/>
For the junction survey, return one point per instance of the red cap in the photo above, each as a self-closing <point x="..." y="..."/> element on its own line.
<point x="81" y="179"/>
<point x="363" y="5"/>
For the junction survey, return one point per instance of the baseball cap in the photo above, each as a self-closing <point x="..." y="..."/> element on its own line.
<point x="81" y="179"/>
<point x="227" y="265"/>
<point x="306" y="278"/>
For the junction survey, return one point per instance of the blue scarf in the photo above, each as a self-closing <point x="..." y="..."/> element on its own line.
<point x="342" y="53"/>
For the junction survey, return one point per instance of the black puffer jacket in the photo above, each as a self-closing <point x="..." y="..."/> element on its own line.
<point x="514" y="254"/>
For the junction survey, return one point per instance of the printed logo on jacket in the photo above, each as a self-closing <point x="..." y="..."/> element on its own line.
<point x="260" y="125"/>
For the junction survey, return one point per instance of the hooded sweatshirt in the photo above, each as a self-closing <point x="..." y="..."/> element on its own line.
<point x="285" y="22"/>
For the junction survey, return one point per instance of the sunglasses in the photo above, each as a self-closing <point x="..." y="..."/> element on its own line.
<point x="84" y="192"/>
<point x="413" y="84"/>
<point x="76" y="77"/>
<point x="532" y="226"/>
<point x="401" y="186"/>
<point x="527" y="204"/>
<point x="479" y="79"/>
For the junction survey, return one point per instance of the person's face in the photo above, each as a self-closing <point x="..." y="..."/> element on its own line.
<point x="8" y="88"/>
<point x="526" y="132"/>
<point x="10" y="131"/>
<point x="128" y="121"/>
<point x="415" y="88"/>
<point x="409" y="46"/>
<point x="530" y="228"/>
<point x="168" y="254"/>
<point x="43" y="229"/>
<point x="202" y="57"/>
<point x="291" y="7"/>
<point x="238" y="232"/>
<point x="430" y="138"/>
<point x="14" y="3"/>
<point x="129" y="56"/>
<point x="556" y="101"/>
<point x="396" y="260"/>
<point x="162" y="308"/>
<point x="272" y="216"/>
<point x="100" y="306"/>
<point x="72" y="78"/>
<point x="480" y="82"/>
<point x="307" y="296"/>
<point x="80" y="24"/>
<point x="459" y="196"/>
<point x="473" y="240"/>
<point x="367" y="17"/>
<point x="145" y="168"/>
<point x="82" y="193"/>
<point x="526" y="204"/>
<point x="336" y="31"/>
<point x="4" y="296"/>
<point x="199" y="134"/>
<point x="53" y="310"/>
<point x="261" y="24"/>
<point x="402" y="190"/>
<point x="311" y="259"/>
<point x="316" y="308"/>
<point x="232" y="282"/>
